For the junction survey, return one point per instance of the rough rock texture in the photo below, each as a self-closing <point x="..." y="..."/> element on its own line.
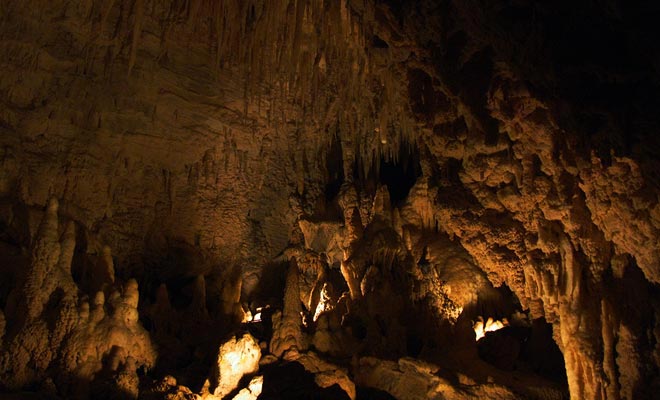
<point x="54" y="333"/>
<point x="327" y="374"/>
<point x="414" y="380"/>
<point x="253" y="390"/>
<point x="167" y="388"/>
<point x="287" y="333"/>
<point x="448" y="159"/>
<point x="236" y="358"/>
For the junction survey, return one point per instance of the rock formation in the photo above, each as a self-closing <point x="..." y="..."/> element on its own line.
<point x="376" y="177"/>
<point x="236" y="358"/>
<point x="56" y="334"/>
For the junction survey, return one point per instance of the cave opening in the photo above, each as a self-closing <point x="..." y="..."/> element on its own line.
<point x="523" y="345"/>
<point x="398" y="172"/>
<point x="334" y="165"/>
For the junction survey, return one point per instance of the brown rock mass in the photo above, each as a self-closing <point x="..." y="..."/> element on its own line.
<point x="361" y="182"/>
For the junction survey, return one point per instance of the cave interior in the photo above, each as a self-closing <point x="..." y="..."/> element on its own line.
<point x="329" y="199"/>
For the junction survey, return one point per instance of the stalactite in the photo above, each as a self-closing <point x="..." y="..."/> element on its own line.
<point x="105" y="14"/>
<point x="137" y="31"/>
<point x="298" y="54"/>
<point x="219" y="36"/>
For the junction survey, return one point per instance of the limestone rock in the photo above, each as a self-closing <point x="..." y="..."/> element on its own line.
<point x="287" y="332"/>
<point x="523" y="142"/>
<point x="167" y="389"/>
<point x="327" y="374"/>
<point x="411" y="379"/>
<point x="236" y="358"/>
<point x="63" y="338"/>
<point x="253" y="390"/>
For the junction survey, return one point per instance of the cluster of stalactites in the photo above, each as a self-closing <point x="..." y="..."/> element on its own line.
<point x="307" y="61"/>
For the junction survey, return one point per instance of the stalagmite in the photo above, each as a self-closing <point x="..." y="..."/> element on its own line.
<point x="288" y="338"/>
<point x="198" y="305"/>
<point x="231" y="293"/>
<point x="106" y="271"/>
<point x="32" y="345"/>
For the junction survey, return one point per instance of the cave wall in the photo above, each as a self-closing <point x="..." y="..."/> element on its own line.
<point x="205" y="126"/>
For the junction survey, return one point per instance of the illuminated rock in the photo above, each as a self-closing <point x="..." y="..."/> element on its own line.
<point x="324" y="303"/>
<point x="252" y="391"/>
<point x="236" y="358"/>
<point x="480" y="327"/>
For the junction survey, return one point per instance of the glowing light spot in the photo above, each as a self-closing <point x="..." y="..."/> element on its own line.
<point x="256" y="385"/>
<point x="249" y="318"/>
<point x="234" y="359"/>
<point x="480" y="328"/>
<point x="324" y="302"/>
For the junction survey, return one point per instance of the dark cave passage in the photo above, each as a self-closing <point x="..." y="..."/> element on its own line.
<point x="398" y="172"/>
<point x="401" y="174"/>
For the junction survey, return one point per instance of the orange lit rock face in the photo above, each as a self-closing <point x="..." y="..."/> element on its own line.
<point x="379" y="174"/>
<point x="236" y="358"/>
